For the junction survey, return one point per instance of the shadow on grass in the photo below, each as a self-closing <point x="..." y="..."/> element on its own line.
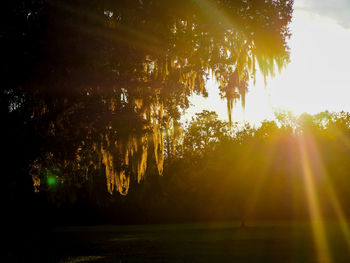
<point x="219" y="242"/>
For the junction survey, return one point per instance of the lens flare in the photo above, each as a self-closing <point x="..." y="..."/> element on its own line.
<point x="317" y="222"/>
<point x="331" y="193"/>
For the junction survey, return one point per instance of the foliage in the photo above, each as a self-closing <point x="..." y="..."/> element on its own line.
<point x="245" y="173"/>
<point x="95" y="85"/>
<point x="204" y="131"/>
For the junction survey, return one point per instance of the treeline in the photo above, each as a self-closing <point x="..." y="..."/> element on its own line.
<point x="221" y="172"/>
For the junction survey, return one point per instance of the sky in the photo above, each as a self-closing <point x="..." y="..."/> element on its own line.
<point x="317" y="79"/>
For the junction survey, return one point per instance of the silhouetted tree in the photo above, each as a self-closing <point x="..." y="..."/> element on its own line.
<point x="94" y="85"/>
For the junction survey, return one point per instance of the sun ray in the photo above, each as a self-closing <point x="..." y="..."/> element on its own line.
<point x="331" y="193"/>
<point x="315" y="213"/>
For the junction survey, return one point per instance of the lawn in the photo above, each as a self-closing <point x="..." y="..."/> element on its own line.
<point x="214" y="242"/>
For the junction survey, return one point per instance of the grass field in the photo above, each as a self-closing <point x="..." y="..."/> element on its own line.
<point x="219" y="242"/>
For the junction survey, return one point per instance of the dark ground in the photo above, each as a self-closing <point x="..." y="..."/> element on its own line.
<point x="214" y="242"/>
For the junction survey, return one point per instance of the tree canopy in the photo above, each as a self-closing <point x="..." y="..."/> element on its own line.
<point x="95" y="85"/>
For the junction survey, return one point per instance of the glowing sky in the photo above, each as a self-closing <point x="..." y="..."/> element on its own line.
<point x="317" y="78"/>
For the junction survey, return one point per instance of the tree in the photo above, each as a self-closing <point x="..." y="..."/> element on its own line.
<point x="100" y="81"/>
<point x="204" y="132"/>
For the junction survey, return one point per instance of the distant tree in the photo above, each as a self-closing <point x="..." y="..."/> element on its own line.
<point x="267" y="129"/>
<point x="204" y="132"/>
<point x="286" y="119"/>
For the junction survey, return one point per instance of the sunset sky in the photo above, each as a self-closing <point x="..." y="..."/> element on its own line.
<point x="317" y="79"/>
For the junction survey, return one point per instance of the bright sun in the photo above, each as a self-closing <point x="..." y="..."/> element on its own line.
<point x="315" y="80"/>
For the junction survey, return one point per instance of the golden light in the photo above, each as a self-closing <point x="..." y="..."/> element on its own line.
<point x="315" y="212"/>
<point x="315" y="80"/>
<point x="313" y="170"/>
